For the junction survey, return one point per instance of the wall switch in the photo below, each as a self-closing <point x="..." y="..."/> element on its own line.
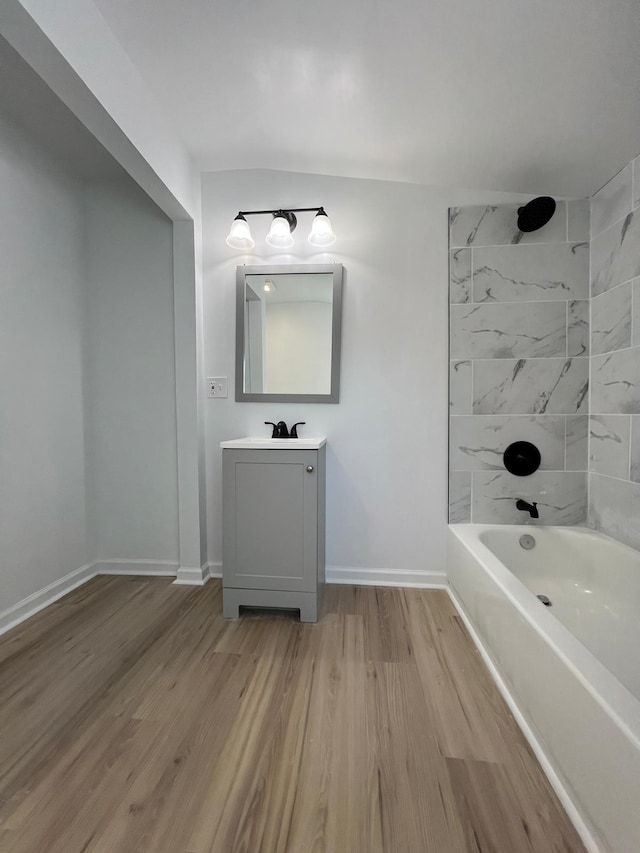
<point x="217" y="386"/>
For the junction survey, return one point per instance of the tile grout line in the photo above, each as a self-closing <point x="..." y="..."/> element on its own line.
<point x="633" y="300"/>
<point x="613" y="224"/>
<point x="617" y="479"/>
<point x="512" y="245"/>
<point x="525" y="415"/>
<point x="590" y="391"/>
<point x="526" y="358"/>
<point x="540" y="471"/>
<point x="616" y="287"/>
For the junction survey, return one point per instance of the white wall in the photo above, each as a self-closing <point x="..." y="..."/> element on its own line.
<point x="387" y="457"/>
<point x="42" y="491"/>
<point x="130" y="387"/>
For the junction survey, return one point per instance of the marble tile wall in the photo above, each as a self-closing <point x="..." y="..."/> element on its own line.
<point x="519" y="362"/>
<point x="545" y="347"/>
<point x="614" y="421"/>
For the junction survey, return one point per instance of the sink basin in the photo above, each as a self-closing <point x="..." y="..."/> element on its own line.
<point x="262" y="443"/>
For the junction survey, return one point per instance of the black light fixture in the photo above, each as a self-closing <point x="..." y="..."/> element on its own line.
<point x="284" y="222"/>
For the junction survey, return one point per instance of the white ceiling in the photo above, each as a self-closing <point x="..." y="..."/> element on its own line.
<point x="539" y="96"/>
<point x="27" y="99"/>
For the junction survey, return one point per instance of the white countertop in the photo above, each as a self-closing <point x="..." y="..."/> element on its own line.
<point x="261" y="442"/>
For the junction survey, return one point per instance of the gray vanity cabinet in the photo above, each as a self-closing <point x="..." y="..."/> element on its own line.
<point x="273" y="529"/>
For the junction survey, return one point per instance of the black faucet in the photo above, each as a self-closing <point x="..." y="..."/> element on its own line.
<point x="280" y="430"/>
<point x="532" y="509"/>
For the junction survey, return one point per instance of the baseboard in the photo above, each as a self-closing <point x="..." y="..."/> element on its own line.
<point x="146" y="568"/>
<point x="573" y="813"/>
<point x="153" y="568"/>
<point x="215" y="569"/>
<point x="189" y="576"/>
<point x="386" y="577"/>
<point x="368" y="577"/>
<point x="44" y="597"/>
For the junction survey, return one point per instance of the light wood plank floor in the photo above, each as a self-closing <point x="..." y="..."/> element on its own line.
<point x="135" y="719"/>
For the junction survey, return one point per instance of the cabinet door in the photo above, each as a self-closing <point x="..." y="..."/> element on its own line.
<point x="270" y="519"/>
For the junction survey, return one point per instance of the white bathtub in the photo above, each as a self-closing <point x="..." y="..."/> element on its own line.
<point x="572" y="670"/>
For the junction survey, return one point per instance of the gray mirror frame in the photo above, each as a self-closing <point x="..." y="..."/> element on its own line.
<point x="336" y="326"/>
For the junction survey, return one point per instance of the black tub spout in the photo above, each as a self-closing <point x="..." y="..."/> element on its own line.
<point x="532" y="508"/>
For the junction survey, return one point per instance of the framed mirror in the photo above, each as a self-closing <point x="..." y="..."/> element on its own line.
<point x="288" y="333"/>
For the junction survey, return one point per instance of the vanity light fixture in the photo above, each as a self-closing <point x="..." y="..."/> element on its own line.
<point x="279" y="236"/>
<point x="240" y="234"/>
<point x="321" y="230"/>
<point x="283" y="224"/>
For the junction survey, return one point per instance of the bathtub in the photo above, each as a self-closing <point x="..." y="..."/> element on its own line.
<point x="571" y="671"/>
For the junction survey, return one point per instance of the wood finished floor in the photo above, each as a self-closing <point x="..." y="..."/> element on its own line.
<point x="135" y="719"/>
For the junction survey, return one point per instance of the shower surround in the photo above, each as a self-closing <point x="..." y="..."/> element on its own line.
<point x="614" y="423"/>
<point x="519" y="362"/>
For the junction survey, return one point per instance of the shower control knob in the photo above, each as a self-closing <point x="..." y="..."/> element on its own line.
<point x="309" y="469"/>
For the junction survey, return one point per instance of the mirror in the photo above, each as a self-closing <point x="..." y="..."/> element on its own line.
<point x="288" y="333"/>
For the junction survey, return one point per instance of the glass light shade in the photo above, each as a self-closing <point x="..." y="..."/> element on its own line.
<point x="279" y="235"/>
<point x="321" y="231"/>
<point x="240" y="234"/>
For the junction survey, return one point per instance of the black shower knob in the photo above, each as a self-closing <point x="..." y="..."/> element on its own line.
<point x="522" y="458"/>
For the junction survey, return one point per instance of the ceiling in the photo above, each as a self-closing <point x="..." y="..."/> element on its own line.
<point x="538" y="96"/>
<point x="27" y="99"/>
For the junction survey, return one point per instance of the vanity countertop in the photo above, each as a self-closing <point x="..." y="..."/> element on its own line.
<point x="262" y="443"/>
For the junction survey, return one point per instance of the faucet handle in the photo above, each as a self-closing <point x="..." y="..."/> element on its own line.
<point x="294" y="429"/>
<point x="274" y="433"/>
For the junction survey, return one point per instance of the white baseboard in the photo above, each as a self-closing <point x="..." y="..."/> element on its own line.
<point x="188" y="576"/>
<point x="146" y="568"/>
<point x="32" y="604"/>
<point x="555" y="780"/>
<point x="386" y="577"/>
<point x="153" y="568"/>
<point x="215" y="569"/>
<point x="368" y="577"/>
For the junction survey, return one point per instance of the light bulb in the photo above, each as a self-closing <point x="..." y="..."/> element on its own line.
<point x="321" y="231"/>
<point x="279" y="235"/>
<point x="240" y="234"/>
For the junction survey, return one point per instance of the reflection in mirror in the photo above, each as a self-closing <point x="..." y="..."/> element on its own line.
<point x="288" y="341"/>
<point x="288" y="333"/>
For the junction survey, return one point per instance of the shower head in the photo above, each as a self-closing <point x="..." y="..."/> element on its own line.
<point x="536" y="213"/>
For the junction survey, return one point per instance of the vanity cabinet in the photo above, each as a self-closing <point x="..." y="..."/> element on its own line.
<point x="273" y="525"/>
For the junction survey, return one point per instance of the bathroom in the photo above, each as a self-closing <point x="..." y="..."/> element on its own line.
<point x="120" y="463"/>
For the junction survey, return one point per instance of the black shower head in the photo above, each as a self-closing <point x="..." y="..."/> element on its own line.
<point x="536" y="213"/>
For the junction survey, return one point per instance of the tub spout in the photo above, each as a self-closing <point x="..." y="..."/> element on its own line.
<point x="532" y="508"/>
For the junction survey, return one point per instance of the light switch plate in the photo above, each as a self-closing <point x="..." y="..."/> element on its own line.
<point x="217" y="386"/>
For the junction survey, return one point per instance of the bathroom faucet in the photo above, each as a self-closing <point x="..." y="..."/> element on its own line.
<point x="280" y="430"/>
<point x="532" y="508"/>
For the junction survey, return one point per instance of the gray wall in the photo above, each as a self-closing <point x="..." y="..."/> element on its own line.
<point x="614" y="424"/>
<point x="42" y="487"/>
<point x="130" y="384"/>
<point x="519" y="366"/>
